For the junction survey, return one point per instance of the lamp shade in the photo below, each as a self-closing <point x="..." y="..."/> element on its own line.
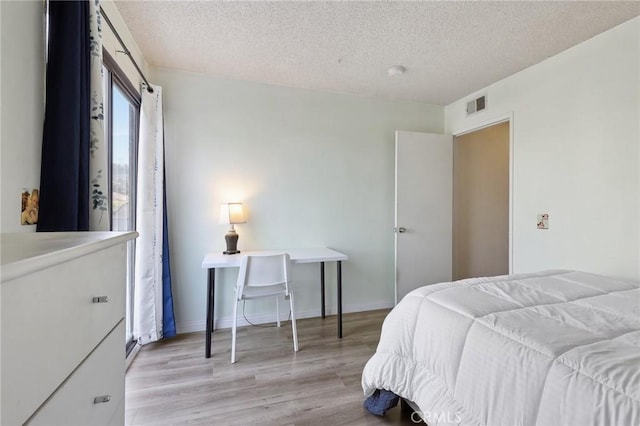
<point x="232" y="213"/>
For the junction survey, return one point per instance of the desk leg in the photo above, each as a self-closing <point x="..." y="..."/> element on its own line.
<point x="339" y="299"/>
<point x="211" y="286"/>
<point x="322" y="288"/>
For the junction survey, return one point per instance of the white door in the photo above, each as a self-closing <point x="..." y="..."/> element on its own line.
<point x="424" y="199"/>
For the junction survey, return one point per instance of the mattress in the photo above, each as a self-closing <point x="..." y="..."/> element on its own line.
<point x="548" y="348"/>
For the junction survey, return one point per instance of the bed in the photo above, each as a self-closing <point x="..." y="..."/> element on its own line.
<point x="548" y="348"/>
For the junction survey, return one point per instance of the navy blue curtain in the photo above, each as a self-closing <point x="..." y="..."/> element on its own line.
<point x="168" y="320"/>
<point x="64" y="173"/>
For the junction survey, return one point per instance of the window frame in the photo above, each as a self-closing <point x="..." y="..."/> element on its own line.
<point x="116" y="76"/>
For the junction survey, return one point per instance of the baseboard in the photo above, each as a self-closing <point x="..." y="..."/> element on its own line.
<point x="194" y="326"/>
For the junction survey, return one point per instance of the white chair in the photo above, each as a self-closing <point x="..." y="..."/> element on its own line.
<point x="264" y="276"/>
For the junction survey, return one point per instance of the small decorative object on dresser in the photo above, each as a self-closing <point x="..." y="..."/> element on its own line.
<point x="62" y="331"/>
<point x="29" y="201"/>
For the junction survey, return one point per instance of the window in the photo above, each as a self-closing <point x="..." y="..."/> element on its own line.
<point x="122" y="114"/>
<point x="121" y="123"/>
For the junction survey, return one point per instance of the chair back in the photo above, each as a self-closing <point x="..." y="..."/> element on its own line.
<point x="271" y="270"/>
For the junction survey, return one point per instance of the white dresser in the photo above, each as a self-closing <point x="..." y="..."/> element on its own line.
<point x="62" y="299"/>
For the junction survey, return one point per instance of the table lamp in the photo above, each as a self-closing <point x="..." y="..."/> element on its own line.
<point x="232" y="213"/>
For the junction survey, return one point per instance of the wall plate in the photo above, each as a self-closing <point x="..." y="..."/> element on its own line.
<point x="543" y="221"/>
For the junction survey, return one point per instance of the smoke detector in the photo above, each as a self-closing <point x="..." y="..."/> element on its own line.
<point x="396" y="70"/>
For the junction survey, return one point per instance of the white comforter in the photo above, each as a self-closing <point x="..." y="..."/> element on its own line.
<point x="552" y="348"/>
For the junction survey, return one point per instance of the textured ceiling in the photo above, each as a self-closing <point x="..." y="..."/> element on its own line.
<point x="450" y="49"/>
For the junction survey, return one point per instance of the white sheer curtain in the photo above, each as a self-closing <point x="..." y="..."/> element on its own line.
<point x="148" y="299"/>
<point x="99" y="219"/>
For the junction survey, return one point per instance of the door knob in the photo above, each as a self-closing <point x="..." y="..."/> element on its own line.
<point x="401" y="229"/>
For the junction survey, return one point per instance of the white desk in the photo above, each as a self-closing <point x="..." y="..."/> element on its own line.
<point x="320" y="255"/>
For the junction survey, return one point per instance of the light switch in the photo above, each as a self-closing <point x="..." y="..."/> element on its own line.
<point x="543" y="221"/>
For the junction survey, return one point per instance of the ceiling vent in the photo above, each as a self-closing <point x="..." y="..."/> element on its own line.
<point x="477" y="105"/>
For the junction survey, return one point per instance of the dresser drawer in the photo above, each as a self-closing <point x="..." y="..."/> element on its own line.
<point x="100" y="375"/>
<point x="50" y="323"/>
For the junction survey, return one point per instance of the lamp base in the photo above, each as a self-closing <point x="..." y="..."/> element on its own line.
<point x="232" y="242"/>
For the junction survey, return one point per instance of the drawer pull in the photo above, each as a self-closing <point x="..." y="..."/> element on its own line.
<point x="101" y="299"/>
<point x="101" y="399"/>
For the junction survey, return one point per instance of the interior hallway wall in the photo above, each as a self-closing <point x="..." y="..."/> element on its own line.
<point x="481" y="202"/>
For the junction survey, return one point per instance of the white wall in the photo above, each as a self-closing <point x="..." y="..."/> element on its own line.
<point x="314" y="169"/>
<point x="576" y="136"/>
<point x="22" y="99"/>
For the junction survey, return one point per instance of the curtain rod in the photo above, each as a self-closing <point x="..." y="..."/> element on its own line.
<point x="126" y="51"/>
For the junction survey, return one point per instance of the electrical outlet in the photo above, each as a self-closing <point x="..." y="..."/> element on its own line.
<point x="543" y="221"/>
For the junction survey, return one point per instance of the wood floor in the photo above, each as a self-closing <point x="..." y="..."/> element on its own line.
<point x="171" y="382"/>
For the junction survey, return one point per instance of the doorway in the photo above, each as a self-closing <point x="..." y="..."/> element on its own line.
<point x="481" y="165"/>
